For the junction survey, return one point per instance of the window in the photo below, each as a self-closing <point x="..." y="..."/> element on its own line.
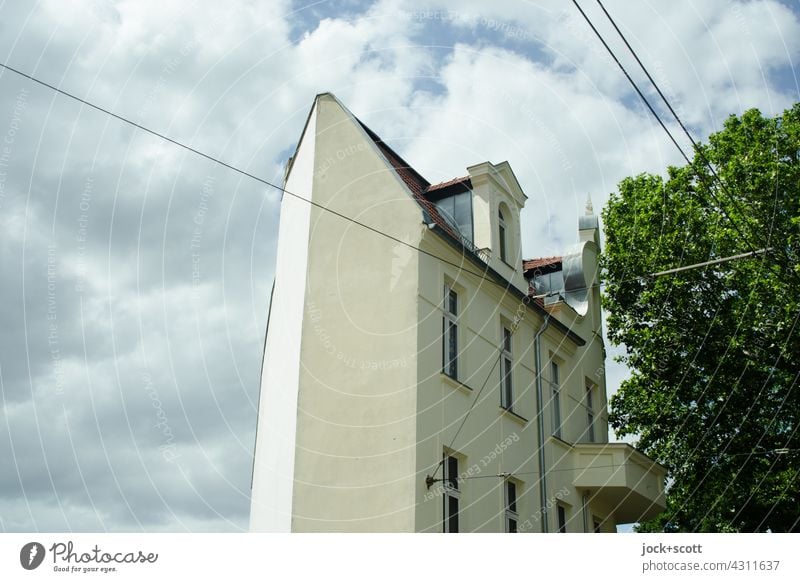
<point x="562" y="518"/>
<point x="502" y="226"/>
<point x="507" y="387"/>
<point x="457" y="211"/>
<point x="451" y="495"/>
<point x="450" y="333"/>
<point x="512" y="515"/>
<point x="551" y="285"/>
<point x="556" y="399"/>
<point x="589" y="414"/>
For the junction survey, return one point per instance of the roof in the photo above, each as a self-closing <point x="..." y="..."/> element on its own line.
<point x="414" y="180"/>
<point x="551" y="263"/>
<point x="463" y="181"/>
<point x="420" y="188"/>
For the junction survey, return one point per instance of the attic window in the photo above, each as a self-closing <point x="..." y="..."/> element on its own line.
<point x="456" y="209"/>
<point x="550" y="285"/>
<point x="502" y="223"/>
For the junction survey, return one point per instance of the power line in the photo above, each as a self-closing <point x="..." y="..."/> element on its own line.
<point x="505" y="475"/>
<point x="696" y="147"/>
<point x="709" y="263"/>
<point x="430" y="479"/>
<point x="632" y="82"/>
<point x="518" y="317"/>
<point x="663" y="126"/>
<point x="652" y="81"/>
<point x="229" y="166"/>
<point x="656" y="274"/>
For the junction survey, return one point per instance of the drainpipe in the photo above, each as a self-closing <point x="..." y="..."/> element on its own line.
<point x="537" y="347"/>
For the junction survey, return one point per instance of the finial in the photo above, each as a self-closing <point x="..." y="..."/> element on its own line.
<point x="589" y="207"/>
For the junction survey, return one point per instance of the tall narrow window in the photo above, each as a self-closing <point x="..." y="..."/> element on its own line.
<point x="556" y="398"/>
<point x="512" y="515"/>
<point x="502" y="226"/>
<point x="507" y="386"/>
<point x="589" y="414"/>
<point x="450" y="333"/>
<point x="451" y="495"/>
<point x="561" y="512"/>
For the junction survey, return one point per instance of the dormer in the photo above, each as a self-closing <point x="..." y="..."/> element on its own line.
<point x="497" y="200"/>
<point x="572" y="278"/>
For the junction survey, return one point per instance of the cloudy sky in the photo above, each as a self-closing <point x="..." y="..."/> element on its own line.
<point x="134" y="276"/>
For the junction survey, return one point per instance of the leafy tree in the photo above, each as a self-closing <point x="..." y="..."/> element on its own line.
<point x="714" y="352"/>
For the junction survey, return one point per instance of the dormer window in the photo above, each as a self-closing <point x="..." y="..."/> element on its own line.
<point x="501" y="221"/>
<point x="456" y="209"/>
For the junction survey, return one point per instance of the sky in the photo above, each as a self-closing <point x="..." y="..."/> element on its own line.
<point x="135" y="275"/>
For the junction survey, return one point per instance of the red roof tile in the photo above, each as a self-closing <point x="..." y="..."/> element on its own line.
<point x="531" y="264"/>
<point x="414" y="180"/>
<point x="441" y="185"/>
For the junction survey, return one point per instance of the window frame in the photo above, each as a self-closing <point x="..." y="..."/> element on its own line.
<point x="452" y="208"/>
<point x="511" y="509"/>
<point x="555" y="398"/>
<point x="507" y="367"/>
<point x="502" y="231"/>
<point x="590" y="415"/>
<point x="450" y="493"/>
<point x="450" y="324"/>
<point x="561" y="518"/>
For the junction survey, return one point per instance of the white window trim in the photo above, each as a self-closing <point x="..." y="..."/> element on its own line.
<point x="507" y="367"/>
<point x="502" y="235"/>
<point x="450" y="319"/>
<point x="555" y="397"/>
<point x="561" y="506"/>
<point x="509" y="514"/>
<point x="590" y="413"/>
<point x="450" y="492"/>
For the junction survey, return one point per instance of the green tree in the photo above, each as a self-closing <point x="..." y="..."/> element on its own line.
<point x="714" y="352"/>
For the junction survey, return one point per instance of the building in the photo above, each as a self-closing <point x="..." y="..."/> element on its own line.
<point x="418" y="375"/>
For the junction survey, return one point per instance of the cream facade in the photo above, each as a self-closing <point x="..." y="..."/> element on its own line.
<point x="418" y="375"/>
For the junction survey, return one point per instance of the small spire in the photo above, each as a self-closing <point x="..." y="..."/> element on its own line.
<point x="589" y="207"/>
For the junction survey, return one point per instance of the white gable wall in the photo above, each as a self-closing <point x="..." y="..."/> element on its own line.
<point x="356" y="438"/>
<point x="273" y="469"/>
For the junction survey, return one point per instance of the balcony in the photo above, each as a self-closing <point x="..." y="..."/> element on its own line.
<point x="622" y="477"/>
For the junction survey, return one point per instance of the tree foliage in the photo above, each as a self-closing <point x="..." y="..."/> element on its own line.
<point x="714" y="352"/>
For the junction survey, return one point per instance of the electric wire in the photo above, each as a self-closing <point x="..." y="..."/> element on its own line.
<point x="432" y="476"/>
<point x="695" y="145"/>
<point x="506" y="475"/>
<point x="460" y="267"/>
<point x="666" y="130"/>
<point x="238" y="170"/>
